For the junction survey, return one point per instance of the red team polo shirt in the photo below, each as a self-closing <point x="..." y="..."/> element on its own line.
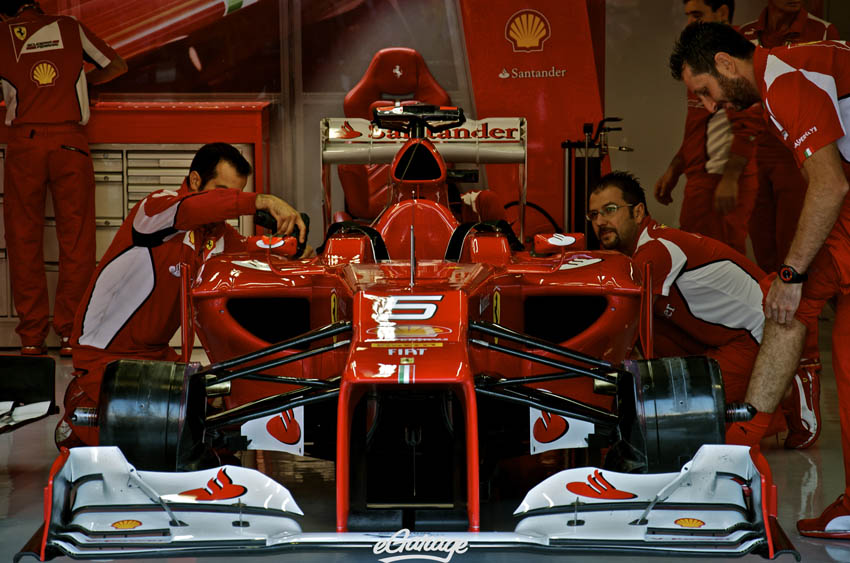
<point x="806" y="93"/>
<point x="132" y="305"/>
<point x="703" y="287"/>
<point x="41" y="68"/>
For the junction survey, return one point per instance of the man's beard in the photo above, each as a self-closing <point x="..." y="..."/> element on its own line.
<point x="738" y="91"/>
<point x="613" y="244"/>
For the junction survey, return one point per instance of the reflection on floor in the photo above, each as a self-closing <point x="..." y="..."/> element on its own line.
<point x="808" y="481"/>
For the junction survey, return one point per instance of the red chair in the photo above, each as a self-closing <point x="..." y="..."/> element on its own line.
<point x="395" y="75"/>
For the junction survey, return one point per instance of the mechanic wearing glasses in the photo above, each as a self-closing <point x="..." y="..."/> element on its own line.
<point x="716" y="156"/>
<point x="131" y="308"/>
<point x="707" y="295"/>
<point x="805" y="90"/>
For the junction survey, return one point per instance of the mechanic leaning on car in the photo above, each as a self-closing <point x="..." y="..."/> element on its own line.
<point x="805" y="89"/>
<point x="131" y="308"/>
<point x="47" y="106"/>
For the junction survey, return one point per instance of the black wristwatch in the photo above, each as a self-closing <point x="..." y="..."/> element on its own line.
<point x="789" y="275"/>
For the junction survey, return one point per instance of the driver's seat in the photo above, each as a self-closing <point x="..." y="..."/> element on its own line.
<point x="395" y="75"/>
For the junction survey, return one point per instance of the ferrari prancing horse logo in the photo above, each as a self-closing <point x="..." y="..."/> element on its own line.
<point x="20" y="32"/>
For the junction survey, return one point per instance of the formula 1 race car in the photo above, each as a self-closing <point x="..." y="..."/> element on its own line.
<point x="425" y="358"/>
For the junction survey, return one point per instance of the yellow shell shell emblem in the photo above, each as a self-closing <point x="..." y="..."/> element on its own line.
<point x="689" y="523"/>
<point x="44" y="73"/>
<point x="527" y="30"/>
<point x="126" y="524"/>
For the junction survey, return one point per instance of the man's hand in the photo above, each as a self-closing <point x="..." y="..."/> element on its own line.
<point x="782" y="301"/>
<point x="664" y="186"/>
<point x="286" y="215"/>
<point x="726" y="196"/>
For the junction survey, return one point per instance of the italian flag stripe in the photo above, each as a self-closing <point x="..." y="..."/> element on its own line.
<point x="405" y="373"/>
<point x="231" y="6"/>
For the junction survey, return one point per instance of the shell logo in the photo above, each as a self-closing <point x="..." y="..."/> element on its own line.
<point x="689" y="523"/>
<point x="126" y="524"/>
<point x="44" y="74"/>
<point x="526" y="30"/>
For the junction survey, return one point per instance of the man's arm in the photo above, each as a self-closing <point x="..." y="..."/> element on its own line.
<point x="114" y="69"/>
<point x="824" y="198"/>
<point x="664" y="186"/>
<point x="726" y="193"/>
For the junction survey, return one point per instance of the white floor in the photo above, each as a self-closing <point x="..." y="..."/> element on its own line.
<point x="808" y="481"/>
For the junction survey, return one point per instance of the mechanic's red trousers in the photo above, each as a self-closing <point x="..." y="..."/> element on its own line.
<point x="84" y="390"/>
<point x="735" y="358"/>
<point x="825" y="282"/>
<point x="698" y="214"/>
<point x="55" y="157"/>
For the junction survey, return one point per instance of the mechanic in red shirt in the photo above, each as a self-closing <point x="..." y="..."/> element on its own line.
<point x="716" y="157"/>
<point x="707" y="295"/>
<point x="782" y="188"/>
<point x="805" y="90"/>
<point x="44" y="86"/>
<point x="131" y="308"/>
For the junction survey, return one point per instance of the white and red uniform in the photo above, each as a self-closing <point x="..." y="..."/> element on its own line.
<point x="709" y="140"/>
<point x="131" y="308"/>
<point x="708" y="300"/>
<point x="782" y="188"/>
<point x="806" y="94"/>
<point x="44" y="87"/>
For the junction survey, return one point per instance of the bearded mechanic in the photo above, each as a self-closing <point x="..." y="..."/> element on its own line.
<point x="131" y="308"/>
<point x="707" y="298"/>
<point x="805" y="91"/>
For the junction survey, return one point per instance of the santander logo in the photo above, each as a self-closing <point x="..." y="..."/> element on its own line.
<point x="285" y="428"/>
<point x="220" y="487"/>
<point x="549" y="427"/>
<point x="599" y="488"/>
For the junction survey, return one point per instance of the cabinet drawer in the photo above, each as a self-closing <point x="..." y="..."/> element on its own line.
<point x="108" y="201"/>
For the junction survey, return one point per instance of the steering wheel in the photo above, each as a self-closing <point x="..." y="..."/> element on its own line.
<point x="266" y="220"/>
<point x="455" y="246"/>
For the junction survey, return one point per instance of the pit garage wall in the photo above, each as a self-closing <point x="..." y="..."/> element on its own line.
<point x="544" y="60"/>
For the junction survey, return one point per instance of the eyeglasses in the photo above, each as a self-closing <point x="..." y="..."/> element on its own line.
<point x="606" y="211"/>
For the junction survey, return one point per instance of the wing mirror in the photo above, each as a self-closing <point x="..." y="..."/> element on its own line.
<point x="550" y="243"/>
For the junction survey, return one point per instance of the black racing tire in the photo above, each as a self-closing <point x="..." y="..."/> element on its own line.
<point x="154" y="412"/>
<point x="670" y="408"/>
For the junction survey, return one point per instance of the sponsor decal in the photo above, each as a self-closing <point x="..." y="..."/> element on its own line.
<point x="689" y="523"/>
<point x="174" y="270"/>
<point x="805" y="136"/>
<point x="668" y="311"/>
<point x="47" y="38"/>
<point x="399" y="332"/>
<point x="406" y="546"/>
<point x="405" y="352"/>
<point x="20" y="31"/>
<point x="550" y="72"/>
<point x="209" y="244"/>
<point x="44" y="74"/>
<point x="220" y="487"/>
<point x="407" y="344"/>
<point x="285" y="428"/>
<point x="348" y="132"/>
<point x="579" y="263"/>
<point x="808" y="152"/>
<point x="599" y="488"/>
<point x="548" y="431"/>
<point x="397" y="71"/>
<point x="527" y="30"/>
<point x="280" y="432"/>
<point x="404" y="361"/>
<point x="126" y="524"/>
<point x="484" y="132"/>
<point x="550" y="427"/>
